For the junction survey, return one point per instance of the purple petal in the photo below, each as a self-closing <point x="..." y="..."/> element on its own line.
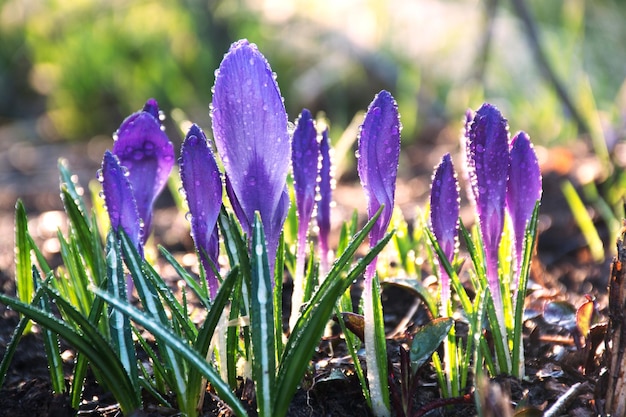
<point x="236" y="206"/>
<point x="524" y="187"/>
<point x="379" y="151"/>
<point x="304" y="158"/>
<point x="444" y="206"/>
<point x="325" y="195"/>
<point x="144" y="149"/>
<point x="119" y="199"/>
<point x="250" y="129"/>
<point x="203" y="186"/>
<point x="487" y="149"/>
<point x="488" y="169"/>
<point x="444" y="217"/>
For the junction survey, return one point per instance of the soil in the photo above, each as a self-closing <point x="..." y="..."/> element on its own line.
<point x="563" y="271"/>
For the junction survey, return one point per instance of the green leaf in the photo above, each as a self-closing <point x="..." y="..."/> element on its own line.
<point x="88" y="342"/>
<point x="23" y="279"/>
<point x="278" y="296"/>
<point x="380" y="348"/>
<point x="178" y="345"/>
<point x="518" y="327"/>
<point x="50" y="343"/>
<point x="69" y="182"/>
<point x="178" y="371"/>
<point x="262" y="322"/>
<point x="427" y="340"/>
<point x="119" y="325"/>
<point x="199" y="290"/>
<point x="206" y="332"/>
<point x="310" y="326"/>
<point x="15" y="339"/>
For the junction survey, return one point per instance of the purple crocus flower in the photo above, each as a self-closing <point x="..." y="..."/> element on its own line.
<point x="250" y="130"/>
<point x="144" y="149"/>
<point x="119" y="199"/>
<point x="304" y="159"/>
<point x="487" y="149"/>
<point x="325" y="188"/>
<point x="379" y="151"/>
<point x="444" y="218"/>
<point x="203" y="186"/>
<point x="523" y="190"/>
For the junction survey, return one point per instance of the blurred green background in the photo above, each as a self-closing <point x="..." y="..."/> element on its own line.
<point x="74" y="69"/>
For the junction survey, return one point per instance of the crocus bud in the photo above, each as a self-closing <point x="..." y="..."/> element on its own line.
<point x="251" y="135"/>
<point x="523" y="190"/>
<point x="444" y="217"/>
<point x="120" y="200"/>
<point x="487" y="149"/>
<point x="325" y="188"/>
<point x="144" y="149"/>
<point x="379" y="152"/>
<point x="203" y="187"/>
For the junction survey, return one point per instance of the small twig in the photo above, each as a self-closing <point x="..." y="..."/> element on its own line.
<point x="564" y="400"/>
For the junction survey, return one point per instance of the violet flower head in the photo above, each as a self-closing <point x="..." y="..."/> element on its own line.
<point x="379" y="152"/>
<point x="250" y="130"/>
<point x="144" y="149"/>
<point x="304" y="159"/>
<point x="488" y="165"/>
<point x="444" y="216"/>
<point x="203" y="186"/>
<point x="119" y="199"/>
<point x="524" y="188"/>
<point x="325" y="189"/>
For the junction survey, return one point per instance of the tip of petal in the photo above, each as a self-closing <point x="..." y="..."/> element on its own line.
<point x="240" y="43"/>
<point x="490" y="111"/>
<point x="152" y="107"/>
<point x="195" y="131"/>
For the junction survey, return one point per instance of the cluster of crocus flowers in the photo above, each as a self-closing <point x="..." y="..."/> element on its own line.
<point x="250" y="130"/>
<point x="504" y="177"/>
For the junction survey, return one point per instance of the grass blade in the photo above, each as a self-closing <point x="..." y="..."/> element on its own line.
<point x="50" y="343"/>
<point x="89" y="343"/>
<point x="310" y="326"/>
<point x="119" y="325"/>
<point x="181" y="347"/>
<point x="23" y="279"/>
